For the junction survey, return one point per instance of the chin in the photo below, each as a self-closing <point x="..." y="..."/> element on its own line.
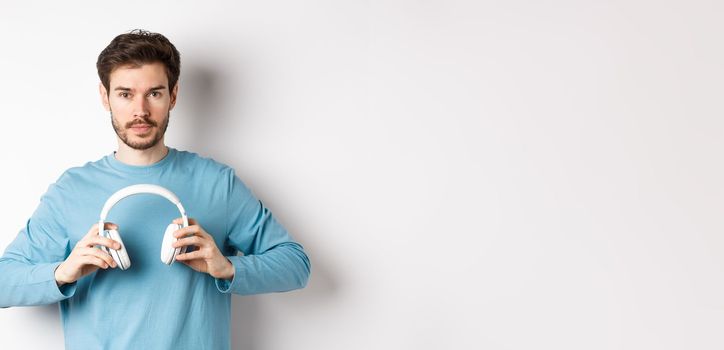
<point x="142" y="143"/>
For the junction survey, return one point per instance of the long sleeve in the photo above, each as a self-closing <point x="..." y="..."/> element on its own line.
<point x="196" y="308"/>
<point x="272" y="261"/>
<point x="28" y="265"/>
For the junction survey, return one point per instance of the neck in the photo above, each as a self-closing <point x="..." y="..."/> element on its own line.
<point x="130" y="156"/>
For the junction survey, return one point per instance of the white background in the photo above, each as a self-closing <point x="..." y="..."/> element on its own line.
<point x="463" y="174"/>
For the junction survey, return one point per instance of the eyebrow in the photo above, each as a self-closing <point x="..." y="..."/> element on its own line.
<point x="157" y="87"/>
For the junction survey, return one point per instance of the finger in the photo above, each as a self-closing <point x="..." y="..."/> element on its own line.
<point x="186" y="231"/>
<point x="92" y="260"/>
<point x="93" y="231"/>
<point x="100" y="255"/>
<point x="180" y="221"/>
<point x="100" y="240"/>
<point x="196" y="254"/>
<point x="190" y="240"/>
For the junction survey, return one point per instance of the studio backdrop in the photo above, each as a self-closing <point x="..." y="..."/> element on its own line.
<point x="463" y="174"/>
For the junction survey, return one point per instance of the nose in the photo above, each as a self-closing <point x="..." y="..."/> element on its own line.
<point x="140" y="107"/>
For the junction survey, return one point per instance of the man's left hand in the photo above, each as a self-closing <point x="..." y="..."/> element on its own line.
<point x="207" y="257"/>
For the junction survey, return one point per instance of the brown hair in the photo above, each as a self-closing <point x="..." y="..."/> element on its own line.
<point x="135" y="48"/>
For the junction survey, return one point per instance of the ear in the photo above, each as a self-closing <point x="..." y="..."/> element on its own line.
<point x="174" y="93"/>
<point x="104" y="96"/>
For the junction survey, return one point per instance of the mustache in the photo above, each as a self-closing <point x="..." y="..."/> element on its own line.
<point x="143" y="121"/>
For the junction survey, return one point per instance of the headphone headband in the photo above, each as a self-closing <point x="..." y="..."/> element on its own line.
<point x="140" y="189"/>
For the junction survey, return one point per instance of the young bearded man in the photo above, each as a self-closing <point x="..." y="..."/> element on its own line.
<point x="56" y="257"/>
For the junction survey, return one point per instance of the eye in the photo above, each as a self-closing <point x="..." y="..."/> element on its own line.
<point x="123" y="94"/>
<point x="155" y="94"/>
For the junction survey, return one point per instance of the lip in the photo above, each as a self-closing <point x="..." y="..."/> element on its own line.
<point x="140" y="127"/>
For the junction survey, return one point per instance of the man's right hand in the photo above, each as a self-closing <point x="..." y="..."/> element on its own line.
<point x="86" y="258"/>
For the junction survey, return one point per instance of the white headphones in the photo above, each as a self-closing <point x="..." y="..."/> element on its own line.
<point x="168" y="252"/>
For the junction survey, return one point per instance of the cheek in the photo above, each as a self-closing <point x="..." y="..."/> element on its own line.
<point x="118" y="106"/>
<point x="158" y="109"/>
<point x="159" y="105"/>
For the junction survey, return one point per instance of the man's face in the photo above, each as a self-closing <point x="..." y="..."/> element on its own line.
<point x="140" y="102"/>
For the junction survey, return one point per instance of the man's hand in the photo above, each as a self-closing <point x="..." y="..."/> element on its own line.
<point x="207" y="257"/>
<point x="86" y="258"/>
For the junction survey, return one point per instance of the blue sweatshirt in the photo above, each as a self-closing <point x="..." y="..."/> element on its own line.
<point x="151" y="305"/>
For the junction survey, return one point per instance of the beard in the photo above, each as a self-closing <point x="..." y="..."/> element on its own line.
<point x="141" y="145"/>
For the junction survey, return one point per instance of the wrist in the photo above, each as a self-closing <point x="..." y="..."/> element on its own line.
<point x="228" y="272"/>
<point x="57" y="275"/>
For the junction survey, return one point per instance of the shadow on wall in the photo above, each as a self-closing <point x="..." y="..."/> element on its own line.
<point x="207" y="107"/>
<point x="250" y="325"/>
<point x="48" y="313"/>
<point x="210" y="133"/>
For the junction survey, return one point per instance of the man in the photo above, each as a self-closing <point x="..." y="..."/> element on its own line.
<point x="57" y="258"/>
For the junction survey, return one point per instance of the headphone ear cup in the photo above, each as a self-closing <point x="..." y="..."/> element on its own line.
<point x="120" y="256"/>
<point x="168" y="252"/>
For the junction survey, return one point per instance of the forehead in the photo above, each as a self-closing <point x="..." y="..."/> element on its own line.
<point x="139" y="77"/>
